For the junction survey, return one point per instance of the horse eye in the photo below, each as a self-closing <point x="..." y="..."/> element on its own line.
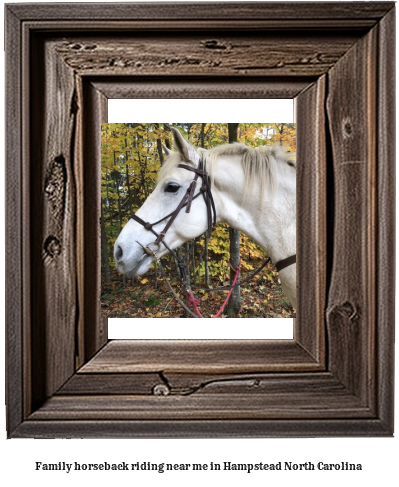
<point x="172" y="188"/>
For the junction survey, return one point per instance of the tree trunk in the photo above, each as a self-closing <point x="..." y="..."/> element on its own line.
<point x="202" y="140"/>
<point x="233" y="306"/>
<point x="104" y="250"/>
<point x="115" y="178"/>
<point x="159" y="146"/>
<point x="206" y="263"/>
<point x="129" y="192"/>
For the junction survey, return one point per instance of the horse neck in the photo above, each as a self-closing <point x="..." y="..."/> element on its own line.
<point x="271" y="221"/>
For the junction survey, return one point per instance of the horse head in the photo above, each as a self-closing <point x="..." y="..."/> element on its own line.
<point x="140" y="238"/>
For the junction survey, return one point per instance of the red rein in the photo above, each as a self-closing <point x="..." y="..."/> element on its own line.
<point x="192" y="301"/>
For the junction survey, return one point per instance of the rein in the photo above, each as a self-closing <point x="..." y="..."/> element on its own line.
<point x="186" y="202"/>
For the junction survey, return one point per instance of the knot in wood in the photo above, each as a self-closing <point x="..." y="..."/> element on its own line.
<point x="161" y="390"/>
<point x="54" y="186"/>
<point x="347" y="128"/>
<point x="90" y="47"/>
<point x="50" y="188"/>
<point x="213" y="44"/>
<point x="349" y="310"/>
<point x="52" y="246"/>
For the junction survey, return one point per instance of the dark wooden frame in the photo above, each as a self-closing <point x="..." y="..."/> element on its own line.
<point x="336" y="377"/>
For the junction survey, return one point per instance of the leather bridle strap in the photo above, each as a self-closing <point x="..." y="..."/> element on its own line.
<point x="206" y="193"/>
<point x="149" y="226"/>
<point x="282" y="264"/>
<point x="184" y="201"/>
<point x="187" y="198"/>
<point x="146" y="225"/>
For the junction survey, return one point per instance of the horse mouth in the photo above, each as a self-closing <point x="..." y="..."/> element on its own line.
<point x="142" y="265"/>
<point x="135" y="271"/>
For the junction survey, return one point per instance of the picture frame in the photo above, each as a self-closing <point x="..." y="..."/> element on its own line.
<point x="335" y="378"/>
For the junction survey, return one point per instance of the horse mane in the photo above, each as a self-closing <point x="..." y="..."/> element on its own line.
<point x="259" y="163"/>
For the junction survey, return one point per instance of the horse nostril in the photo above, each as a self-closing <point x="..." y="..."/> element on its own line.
<point x="118" y="253"/>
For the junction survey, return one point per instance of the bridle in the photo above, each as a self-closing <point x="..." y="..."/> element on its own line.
<point x="186" y="202"/>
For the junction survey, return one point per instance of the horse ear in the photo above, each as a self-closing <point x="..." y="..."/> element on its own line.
<point x="186" y="150"/>
<point x="166" y="150"/>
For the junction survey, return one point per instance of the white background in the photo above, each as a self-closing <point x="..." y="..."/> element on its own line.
<point x="379" y="456"/>
<point x="195" y="110"/>
<point x="206" y="329"/>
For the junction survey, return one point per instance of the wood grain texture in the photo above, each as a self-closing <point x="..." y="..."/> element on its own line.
<point x="53" y="210"/>
<point x="200" y="356"/>
<point x="226" y="25"/>
<point x="203" y="407"/>
<point x="15" y="212"/>
<point x="311" y="219"/>
<point x="351" y="309"/>
<point x="94" y="328"/>
<point x="144" y="87"/>
<point x="247" y="55"/>
<point x="190" y="428"/>
<point x="112" y="384"/>
<point x="342" y="11"/>
<point x="275" y="396"/>
<point x="184" y="384"/>
<point x="385" y="245"/>
<point x="202" y="429"/>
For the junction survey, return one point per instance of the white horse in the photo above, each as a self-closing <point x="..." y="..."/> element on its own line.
<point x="253" y="191"/>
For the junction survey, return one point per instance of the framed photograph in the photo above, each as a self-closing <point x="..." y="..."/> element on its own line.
<point x="191" y="275"/>
<point x="65" y="378"/>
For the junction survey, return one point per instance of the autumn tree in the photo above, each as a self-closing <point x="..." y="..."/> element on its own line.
<point x="234" y="303"/>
